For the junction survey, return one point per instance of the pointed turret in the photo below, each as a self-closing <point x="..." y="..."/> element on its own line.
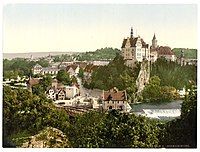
<point x="131" y="32"/>
<point x="154" y="42"/>
<point x="154" y="37"/>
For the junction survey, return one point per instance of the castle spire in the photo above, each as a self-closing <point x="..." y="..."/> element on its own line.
<point x="131" y="32"/>
<point x="154" y="42"/>
<point x="154" y="37"/>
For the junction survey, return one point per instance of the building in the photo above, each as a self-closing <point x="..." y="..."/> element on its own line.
<point x="50" y="70"/>
<point x="58" y="91"/>
<point x="114" y="99"/>
<point x="134" y="49"/>
<point x="31" y="82"/>
<point x="166" y="52"/>
<point x="37" y="69"/>
<point x="51" y="93"/>
<point x="73" y="70"/>
<point x="61" y="95"/>
<point x="160" y="51"/>
<point x="72" y="91"/>
<point x="100" y="63"/>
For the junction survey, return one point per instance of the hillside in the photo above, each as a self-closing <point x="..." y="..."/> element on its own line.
<point x="173" y="74"/>
<point x="99" y="54"/>
<point x="189" y="53"/>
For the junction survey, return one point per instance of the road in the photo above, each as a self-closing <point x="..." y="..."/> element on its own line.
<point x="95" y="93"/>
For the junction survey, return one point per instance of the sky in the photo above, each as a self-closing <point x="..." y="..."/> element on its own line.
<point x="87" y="27"/>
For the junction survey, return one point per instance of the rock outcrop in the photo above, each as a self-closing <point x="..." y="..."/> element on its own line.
<point x="143" y="77"/>
<point x="47" y="138"/>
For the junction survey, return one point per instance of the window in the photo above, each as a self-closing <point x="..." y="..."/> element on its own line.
<point x="138" y="54"/>
<point x="113" y="102"/>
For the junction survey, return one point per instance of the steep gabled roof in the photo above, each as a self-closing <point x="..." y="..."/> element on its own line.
<point x="73" y="66"/>
<point x="114" y="95"/>
<point x="133" y="42"/>
<point x="33" y="81"/>
<point x="165" y="50"/>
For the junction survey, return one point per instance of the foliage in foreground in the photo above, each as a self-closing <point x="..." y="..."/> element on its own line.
<point x="182" y="132"/>
<point x="113" y="129"/>
<point x="28" y="113"/>
<point x="25" y="114"/>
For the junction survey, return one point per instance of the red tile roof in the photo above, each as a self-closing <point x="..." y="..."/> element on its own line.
<point x="114" y="95"/>
<point x="33" y="81"/>
<point x="165" y="50"/>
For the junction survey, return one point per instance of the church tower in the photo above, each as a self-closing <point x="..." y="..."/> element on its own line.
<point x="154" y="42"/>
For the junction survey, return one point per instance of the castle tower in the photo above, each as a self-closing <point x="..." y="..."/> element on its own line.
<point x="154" y="42"/>
<point x="131" y="32"/>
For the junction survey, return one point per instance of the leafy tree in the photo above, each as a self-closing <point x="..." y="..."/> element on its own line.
<point x="46" y="81"/>
<point x="81" y="73"/>
<point x="25" y="112"/>
<point x="168" y="93"/>
<point x="114" y="129"/>
<point x="152" y="91"/>
<point x="182" y="132"/>
<point x="73" y="80"/>
<point x="116" y="74"/>
<point x="43" y="62"/>
<point x="188" y="53"/>
<point x="38" y="89"/>
<point x="99" y="54"/>
<point x="63" y="77"/>
<point x="173" y="74"/>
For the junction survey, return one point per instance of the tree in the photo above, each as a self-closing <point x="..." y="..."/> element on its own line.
<point x="25" y="112"/>
<point x="46" y="81"/>
<point x="168" y="93"/>
<point x="115" y="74"/>
<point x="183" y="131"/>
<point x="173" y="74"/>
<point x="81" y="73"/>
<point x="63" y="77"/>
<point x="114" y="129"/>
<point x="73" y="80"/>
<point x="38" y="89"/>
<point x="152" y="91"/>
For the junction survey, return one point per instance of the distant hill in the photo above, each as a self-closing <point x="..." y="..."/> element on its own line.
<point x="189" y="53"/>
<point x="99" y="54"/>
<point x="34" y="54"/>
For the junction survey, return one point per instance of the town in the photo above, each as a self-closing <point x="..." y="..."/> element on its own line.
<point x="67" y="90"/>
<point x="99" y="75"/>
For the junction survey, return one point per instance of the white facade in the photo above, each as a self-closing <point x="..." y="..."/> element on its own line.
<point x="134" y="50"/>
<point x="153" y="56"/>
<point x="71" y="91"/>
<point x="48" y="70"/>
<point x="100" y="63"/>
<point x="37" y="69"/>
<point x="51" y="94"/>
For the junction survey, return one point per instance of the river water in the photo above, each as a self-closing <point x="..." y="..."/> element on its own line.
<point x="169" y="105"/>
<point x="162" y="111"/>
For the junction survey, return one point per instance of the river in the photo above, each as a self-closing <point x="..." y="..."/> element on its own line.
<point x="167" y="105"/>
<point x="162" y="111"/>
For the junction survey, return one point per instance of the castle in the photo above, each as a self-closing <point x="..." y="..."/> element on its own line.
<point x="134" y="49"/>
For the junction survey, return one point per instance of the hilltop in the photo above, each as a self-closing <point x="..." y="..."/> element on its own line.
<point x="189" y="53"/>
